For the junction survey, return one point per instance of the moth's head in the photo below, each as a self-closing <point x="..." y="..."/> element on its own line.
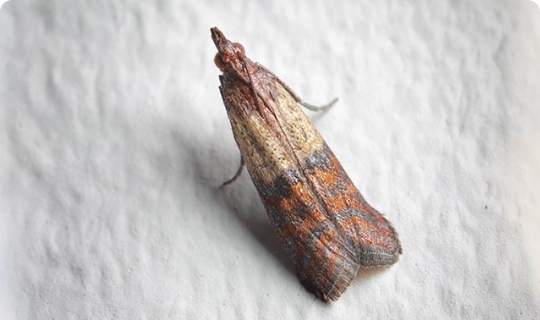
<point x="228" y="52"/>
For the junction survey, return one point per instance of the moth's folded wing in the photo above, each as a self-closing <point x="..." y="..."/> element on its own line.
<point x="324" y="261"/>
<point x="375" y="241"/>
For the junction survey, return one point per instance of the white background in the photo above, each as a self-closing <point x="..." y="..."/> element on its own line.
<point x="114" y="140"/>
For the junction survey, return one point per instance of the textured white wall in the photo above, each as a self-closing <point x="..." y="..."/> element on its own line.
<point x="114" y="139"/>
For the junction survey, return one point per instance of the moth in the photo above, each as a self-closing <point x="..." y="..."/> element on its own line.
<point x="326" y="227"/>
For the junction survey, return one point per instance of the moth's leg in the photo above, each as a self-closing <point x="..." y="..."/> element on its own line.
<point x="296" y="97"/>
<point x="236" y="175"/>
<point x="318" y="108"/>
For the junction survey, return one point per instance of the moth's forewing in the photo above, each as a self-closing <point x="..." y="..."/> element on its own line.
<point x="372" y="236"/>
<point x="324" y="260"/>
<point x="374" y="239"/>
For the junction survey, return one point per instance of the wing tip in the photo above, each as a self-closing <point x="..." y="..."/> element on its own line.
<point x="337" y="282"/>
